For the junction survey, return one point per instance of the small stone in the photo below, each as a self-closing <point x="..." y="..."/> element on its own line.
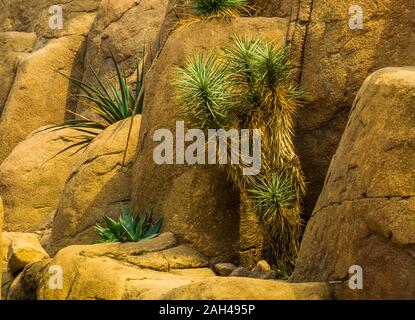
<point x="263" y="271"/>
<point x="240" y="272"/>
<point x="224" y="269"/>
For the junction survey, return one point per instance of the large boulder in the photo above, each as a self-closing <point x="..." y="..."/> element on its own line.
<point x="115" y="271"/>
<point x="197" y="202"/>
<point x="12" y="46"/>
<point x="33" y="176"/>
<point x="365" y="215"/>
<point x="239" y="288"/>
<point x="98" y="185"/>
<point x="39" y="94"/>
<point x="335" y="62"/>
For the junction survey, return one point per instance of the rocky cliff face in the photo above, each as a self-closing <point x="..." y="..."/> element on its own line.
<point x="335" y="60"/>
<point x="364" y="215"/>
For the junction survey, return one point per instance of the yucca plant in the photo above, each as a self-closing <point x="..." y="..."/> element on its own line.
<point x="109" y="102"/>
<point x="221" y="8"/>
<point x="252" y="89"/>
<point x="203" y="94"/>
<point x="129" y="228"/>
<point x="274" y="199"/>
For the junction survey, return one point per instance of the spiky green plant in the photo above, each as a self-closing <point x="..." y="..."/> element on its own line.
<point x="274" y="199"/>
<point x="129" y="228"/>
<point x="255" y="91"/>
<point x="221" y="8"/>
<point x="202" y="92"/>
<point x="109" y="102"/>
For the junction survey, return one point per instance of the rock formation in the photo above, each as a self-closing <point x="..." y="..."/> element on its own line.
<point x="196" y="198"/>
<point x="33" y="176"/>
<point x="99" y="184"/>
<point x="365" y="215"/>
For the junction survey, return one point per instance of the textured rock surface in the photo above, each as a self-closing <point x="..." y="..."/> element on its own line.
<point x="33" y="176"/>
<point x="39" y="94"/>
<point x="34" y="16"/>
<point x="253" y="245"/>
<point x="240" y="272"/>
<point x="366" y="213"/>
<point x="13" y="45"/>
<point x="116" y="30"/>
<point x="336" y="61"/>
<point x="220" y="288"/>
<point x="196" y="201"/>
<point x="143" y="270"/>
<point x="153" y="269"/>
<point x="22" y="249"/>
<point x="275" y="8"/>
<point x="97" y="185"/>
<point x="18" y="250"/>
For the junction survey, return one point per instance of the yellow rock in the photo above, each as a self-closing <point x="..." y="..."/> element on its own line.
<point x="33" y="176"/>
<point x="24" y="248"/>
<point x="238" y="288"/>
<point x="97" y="185"/>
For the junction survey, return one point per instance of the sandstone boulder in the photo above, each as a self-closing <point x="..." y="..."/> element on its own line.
<point x="220" y="288"/>
<point x="336" y="61"/>
<point x="22" y="249"/>
<point x="18" y="251"/>
<point x="365" y="215"/>
<point x="98" y="185"/>
<point x="114" y="271"/>
<point x="197" y="202"/>
<point x="33" y="176"/>
<point x="12" y="46"/>
<point x="39" y="94"/>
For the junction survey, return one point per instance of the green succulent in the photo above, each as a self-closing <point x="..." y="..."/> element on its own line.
<point x="109" y="102"/>
<point x="221" y="8"/>
<point x="129" y="228"/>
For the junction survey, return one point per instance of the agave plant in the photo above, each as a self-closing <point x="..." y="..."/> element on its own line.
<point x="129" y="228"/>
<point x="110" y="102"/>
<point x="221" y="8"/>
<point x="248" y="85"/>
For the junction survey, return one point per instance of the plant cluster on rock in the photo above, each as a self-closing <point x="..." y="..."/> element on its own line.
<point x="249" y="86"/>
